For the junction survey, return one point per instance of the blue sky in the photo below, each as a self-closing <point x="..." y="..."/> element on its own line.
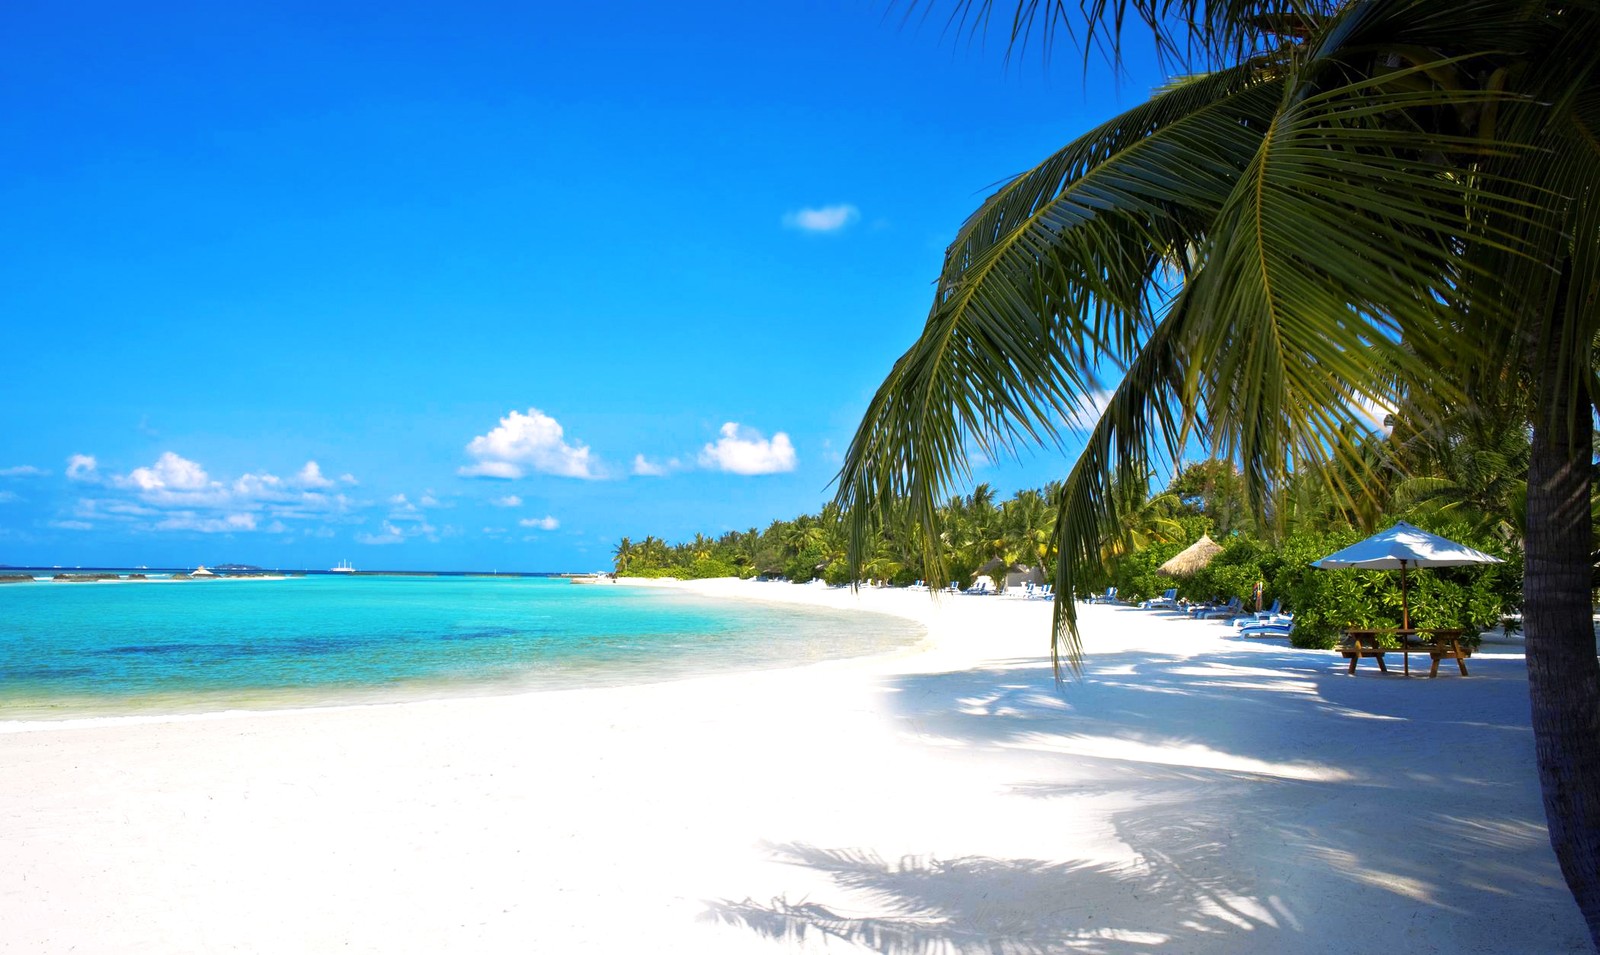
<point x="473" y="286"/>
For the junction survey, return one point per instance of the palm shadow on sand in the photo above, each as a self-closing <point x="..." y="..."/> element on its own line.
<point x="1254" y="825"/>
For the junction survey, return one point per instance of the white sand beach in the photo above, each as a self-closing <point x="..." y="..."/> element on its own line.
<point x="1194" y="792"/>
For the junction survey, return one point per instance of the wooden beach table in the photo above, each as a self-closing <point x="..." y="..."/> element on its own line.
<point x="1438" y="643"/>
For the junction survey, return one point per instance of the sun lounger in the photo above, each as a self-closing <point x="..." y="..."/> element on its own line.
<point x="1234" y="608"/>
<point x="1168" y="599"/>
<point x="1276" y="620"/>
<point x="1259" y="629"/>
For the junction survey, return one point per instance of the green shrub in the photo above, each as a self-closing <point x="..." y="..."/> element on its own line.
<point x="709" y="567"/>
<point x="1315" y="636"/>
<point x="1327" y="602"/>
<point x="837" y="573"/>
<point x="802" y="568"/>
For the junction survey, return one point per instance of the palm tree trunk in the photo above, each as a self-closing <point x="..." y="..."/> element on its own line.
<point x="1563" y="674"/>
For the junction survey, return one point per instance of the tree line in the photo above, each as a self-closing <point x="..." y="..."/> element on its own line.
<point x="1466" y="480"/>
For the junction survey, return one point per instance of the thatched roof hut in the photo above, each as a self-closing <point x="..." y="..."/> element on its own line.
<point x="1009" y="575"/>
<point x="992" y="567"/>
<point x="1191" y="558"/>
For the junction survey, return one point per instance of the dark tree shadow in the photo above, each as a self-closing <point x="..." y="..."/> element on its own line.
<point x="1268" y="822"/>
<point x="975" y="904"/>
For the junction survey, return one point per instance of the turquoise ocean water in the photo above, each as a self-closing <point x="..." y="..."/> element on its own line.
<point x="79" y="649"/>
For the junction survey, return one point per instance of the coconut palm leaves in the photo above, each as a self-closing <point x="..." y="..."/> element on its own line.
<point x="1257" y="252"/>
<point x="1373" y="204"/>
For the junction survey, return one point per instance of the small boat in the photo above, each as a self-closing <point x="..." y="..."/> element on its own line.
<point x="201" y="572"/>
<point x="343" y="568"/>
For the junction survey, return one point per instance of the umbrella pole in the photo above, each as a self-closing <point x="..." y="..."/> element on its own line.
<point x="1405" y="619"/>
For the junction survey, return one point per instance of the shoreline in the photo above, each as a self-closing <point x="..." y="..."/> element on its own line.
<point x="16" y="716"/>
<point x="1192" y="790"/>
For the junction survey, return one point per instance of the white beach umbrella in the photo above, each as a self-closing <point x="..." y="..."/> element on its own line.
<point x="1402" y="547"/>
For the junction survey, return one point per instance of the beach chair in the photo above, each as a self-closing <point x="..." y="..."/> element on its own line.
<point x="1276" y="620"/>
<point x="1168" y="599"/>
<point x="1277" y="627"/>
<point x="1270" y="612"/>
<point x="1234" y="608"/>
<point x="1109" y="597"/>
<point x="1195" y="609"/>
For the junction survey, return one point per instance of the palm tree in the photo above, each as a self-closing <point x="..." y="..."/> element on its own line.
<point x="1144" y="519"/>
<point x="622" y="555"/>
<point x="653" y="551"/>
<point x="700" y="547"/>
<point x="1215" y="489"/>
<point x="1471" y="469"/>
<point x="1367" y="204"/>
<point x="1028" y="523"/>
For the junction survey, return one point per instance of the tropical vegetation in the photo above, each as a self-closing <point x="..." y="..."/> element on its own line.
<point x="1351" y="207"/>
<point x="979" y="532"/>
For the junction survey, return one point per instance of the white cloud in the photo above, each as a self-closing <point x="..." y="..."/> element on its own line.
<point x="402" y="509"/>
<point x="644" y="467"/>
<point x="510" y="500"/>
<point x="391" y="533"/>
<point x="1089" y="409"/>
<point x="503" y="470"/>
<point x="82" y="467"/>
<point x="73" y="525"/>
<point x="190" y="521"/>
<point x="23" y="470"/>
<point x="745" y="451"/>
<point x="7" y="497"/>
<point x="349" y="479"/>
<point x="170" y="473"/>
<point x="528" y="441"/>
<point x="257" y="485"/>
<point x="822" y="219"/>
<point x="545" y="523"/>
<point x="310" y="476"/>
<point x="1374" y="412"/>
<point x="177" y="494"/>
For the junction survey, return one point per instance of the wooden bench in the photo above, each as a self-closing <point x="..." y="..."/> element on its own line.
<point x="1440" y="644"/>
<point x="1355" y="651"/>
<point x="1446" y="645"/>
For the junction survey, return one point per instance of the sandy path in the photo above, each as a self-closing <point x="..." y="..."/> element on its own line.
<point x="1195" y="793"/>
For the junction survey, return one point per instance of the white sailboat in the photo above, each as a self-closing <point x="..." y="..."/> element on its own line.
<point x="343" y="568"/>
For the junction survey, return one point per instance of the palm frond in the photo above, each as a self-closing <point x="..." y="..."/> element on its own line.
<point x="1183" y="31"/>
<point x="1052" y="276"/>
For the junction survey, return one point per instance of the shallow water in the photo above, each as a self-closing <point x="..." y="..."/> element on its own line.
<point x="111" y="648"/>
